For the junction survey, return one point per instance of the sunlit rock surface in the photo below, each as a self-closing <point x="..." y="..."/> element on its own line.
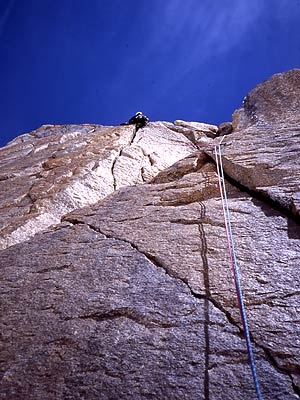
<point x="56" y="169"/>
<point x="267" y="129"/>
<point x="115" y="276"/>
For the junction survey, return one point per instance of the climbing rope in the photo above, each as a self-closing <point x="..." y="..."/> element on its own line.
<point x="230" y="242"/>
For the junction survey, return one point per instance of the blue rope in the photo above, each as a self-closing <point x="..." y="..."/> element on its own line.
<point x="235" y="267"/>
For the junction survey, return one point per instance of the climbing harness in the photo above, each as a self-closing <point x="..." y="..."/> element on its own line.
<point x="230" y="242"/>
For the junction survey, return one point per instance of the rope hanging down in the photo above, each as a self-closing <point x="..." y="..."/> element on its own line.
<point x="234" y="265"/>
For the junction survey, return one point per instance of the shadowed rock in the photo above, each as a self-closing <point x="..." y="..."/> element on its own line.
<point x="225" y="128"/>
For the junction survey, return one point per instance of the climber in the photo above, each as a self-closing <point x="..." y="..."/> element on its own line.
<point x="139" y="120"/>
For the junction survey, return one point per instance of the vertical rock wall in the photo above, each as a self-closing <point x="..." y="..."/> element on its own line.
<point x="115" y="276"/>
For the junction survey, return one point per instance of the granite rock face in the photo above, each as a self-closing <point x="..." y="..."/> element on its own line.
<point x="115" y="276"/>
<point x="56" y="169"/>
<point x="273" y="102"/>
<point x="267" y="128"/>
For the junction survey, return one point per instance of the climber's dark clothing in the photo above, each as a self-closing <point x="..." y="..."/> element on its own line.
<point x="139" y="120"/>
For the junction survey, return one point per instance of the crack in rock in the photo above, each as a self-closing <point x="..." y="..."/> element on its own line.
<point x="134" y="315"/>
<point x="154" y="260"/>
<point x="275" y="204"/>
<point x="270" y="358"/>
<point x="113" y="167"/>
<point x="128" y="145"/>
<point x="206" y="297"/>
<point x="53" y="269"/>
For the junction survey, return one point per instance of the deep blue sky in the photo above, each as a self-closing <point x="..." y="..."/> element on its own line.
<point x="100" y="61"/>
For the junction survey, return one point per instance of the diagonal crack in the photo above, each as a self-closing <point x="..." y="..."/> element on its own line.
<point x="154" y="260"/>
<point x="206" y="297"/>
<point x="268" y="354"/>
<point x="260" y="195"/>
